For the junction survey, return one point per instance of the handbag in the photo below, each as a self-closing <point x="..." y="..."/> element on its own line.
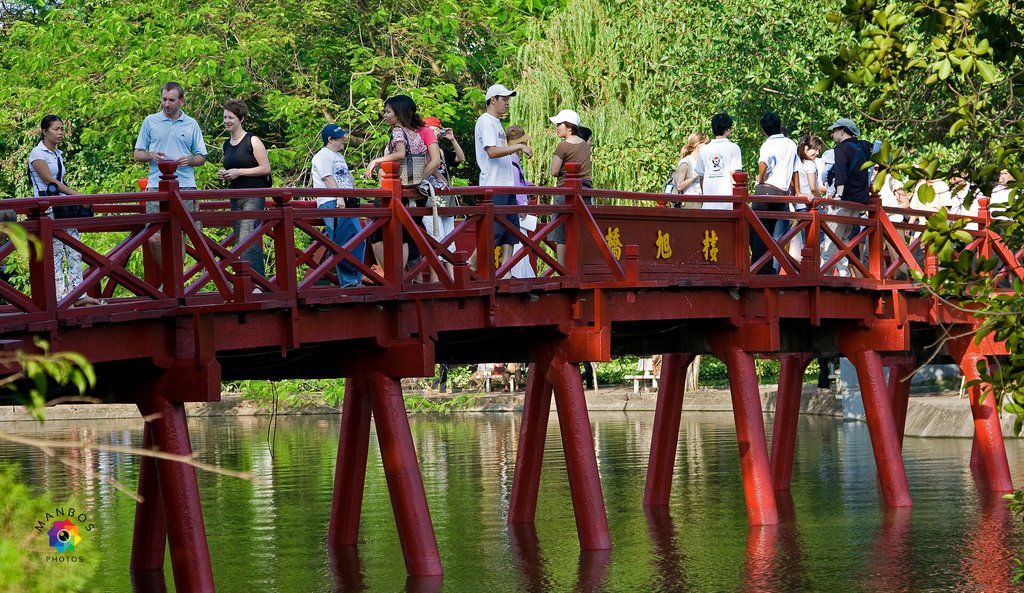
<point x="410" y="172"/>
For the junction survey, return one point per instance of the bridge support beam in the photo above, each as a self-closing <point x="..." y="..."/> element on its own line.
<point x="580" y="456"/>
<point x="553" y="370"/>
<point x="988" y="433"/>
<point x="899" y="390"/>
<point x="787" y="415"/>
<point x="750" y="434"/>
<point x="401" y="468"/>
<point x="667" y="416"/>
<point x="530" y="453"/>
<point x="350" y="468"/>
<point x="885" y="440"/>
<point x="150" y="534"/>
<point x="179" y="496"/>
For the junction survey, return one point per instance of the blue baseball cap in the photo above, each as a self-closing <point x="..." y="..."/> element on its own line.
<point x="331" y="131"/>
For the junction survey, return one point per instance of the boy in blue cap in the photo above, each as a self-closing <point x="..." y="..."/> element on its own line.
<point x="330" y="170"/>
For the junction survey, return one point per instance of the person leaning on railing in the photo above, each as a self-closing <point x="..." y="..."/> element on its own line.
<point x="572" y="149"/>
<point x="851" y="185"/>
<point x="246" y="165"/>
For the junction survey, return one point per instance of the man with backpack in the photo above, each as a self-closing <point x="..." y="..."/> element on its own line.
<point x="851" y="181"/>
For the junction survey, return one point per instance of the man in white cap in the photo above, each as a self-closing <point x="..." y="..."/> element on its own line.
<point x="494" y="156"/>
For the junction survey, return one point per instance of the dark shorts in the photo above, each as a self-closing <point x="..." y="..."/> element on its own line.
<point x="502" y="235"/>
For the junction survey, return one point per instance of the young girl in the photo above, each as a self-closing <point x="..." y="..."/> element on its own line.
<point x="572" y="149"/>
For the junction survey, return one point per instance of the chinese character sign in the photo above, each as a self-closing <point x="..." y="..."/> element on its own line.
<point x="710" y="246"/>
<point x="664" y="247"/>
<point x="614" y="241"/>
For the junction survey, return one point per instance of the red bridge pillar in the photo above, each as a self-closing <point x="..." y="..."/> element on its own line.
<point x="861" y="347"/>
<point x="750" y="435"/>
<point x="988" y="433"/>
<point x="553" y="369"/>
<point x="899" y="390"/>
<point x="667" y="415"/>
<point x="787" y="414"/>
<point x="350" y="469"/>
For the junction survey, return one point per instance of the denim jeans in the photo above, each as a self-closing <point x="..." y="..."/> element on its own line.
<point x="340" y="231"/>
<point x="244" y="228"/>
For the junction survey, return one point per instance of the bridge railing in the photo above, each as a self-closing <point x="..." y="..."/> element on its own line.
<point x="139" y="262"/>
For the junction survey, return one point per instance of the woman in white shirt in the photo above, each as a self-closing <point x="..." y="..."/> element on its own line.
<point x="47" y="173"/>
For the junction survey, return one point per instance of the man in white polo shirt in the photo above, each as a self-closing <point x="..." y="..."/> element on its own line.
<point x="777" y="175"/>
<point x="170" y="134"/>
<point x="494" y="157"/>
<point x="717" y="161"/>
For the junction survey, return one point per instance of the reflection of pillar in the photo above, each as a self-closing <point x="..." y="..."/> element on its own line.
<point x="988" y="434"/>
<point x="888" y="568"/>
<point x="759" y="567"/>
<point x="593" y="568"/>
<point x="668" y="559"/>
<point x="746" y="409"/>
<point x="179" y="494"/>
<point x="899" y="391"/>
<point x="401" y="468"/>
<point x="526" y="552"/>
<point x="885" y="442"/>
<point x="987" y="550"/>
<point x="346" y="567"/>
<point x="580" y="457"/>
<point x="522" y="506"/>
<point x="350" y="468"/>
<point x="150" y="531"/>
<point x="668" y="411"/>
<point x="787" y="414"/>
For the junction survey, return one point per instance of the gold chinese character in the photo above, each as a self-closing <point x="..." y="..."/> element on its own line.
<point x="614" y="242"/>
<point x="497" y="257"/>
<point x="710" y="246"/>
<point x="664" y="247"/>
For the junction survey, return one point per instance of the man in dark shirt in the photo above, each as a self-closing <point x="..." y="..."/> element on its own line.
<point x="851" y="182"/>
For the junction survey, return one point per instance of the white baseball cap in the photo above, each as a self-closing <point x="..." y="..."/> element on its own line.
<point x="566" y="116"/>
<point x="499" y="90"/>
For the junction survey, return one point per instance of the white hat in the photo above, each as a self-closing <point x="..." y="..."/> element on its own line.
<point x="499" y="90"/>
<point x="566" y="116"/>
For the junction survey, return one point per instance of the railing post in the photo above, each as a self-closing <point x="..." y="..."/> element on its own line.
<point x="986" y="220"/>
<point x="574" y="182"/>
<point x="810" y="255"/>
<point x="741" y="239"/>
<point x="485" y="237"/>
<point x="284" y="246"/>
<point x="42" y="276"/>
<point x="875" y="240"/>
<point x="172" y="247"/>
<point x="393" y="263"/>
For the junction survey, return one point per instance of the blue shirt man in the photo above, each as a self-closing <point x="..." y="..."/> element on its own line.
<point x="170" y="134"/>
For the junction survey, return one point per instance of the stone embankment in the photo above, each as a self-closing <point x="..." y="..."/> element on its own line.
<point x="943" y="414"/>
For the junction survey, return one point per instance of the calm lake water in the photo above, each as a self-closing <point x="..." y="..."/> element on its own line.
<point x="268" y="535"/>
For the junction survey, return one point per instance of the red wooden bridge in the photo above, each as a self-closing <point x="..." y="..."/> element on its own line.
<point x="638" y="279"/>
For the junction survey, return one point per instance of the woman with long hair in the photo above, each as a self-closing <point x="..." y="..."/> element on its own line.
<point x="246" y="165"/>
<point x="47" y="174"/>
<point x="686" y="178"/>
<point x="408" y="133"/>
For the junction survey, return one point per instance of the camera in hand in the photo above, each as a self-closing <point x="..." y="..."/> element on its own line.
<point x="51" y="190"/>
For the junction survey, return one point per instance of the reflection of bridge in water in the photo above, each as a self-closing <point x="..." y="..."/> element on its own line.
<point x="637" y="280"/>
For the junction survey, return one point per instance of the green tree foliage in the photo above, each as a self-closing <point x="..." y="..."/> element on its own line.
<point x="23" y="550"/>
<point x="949" y="74"/>
<point x="644" y="74"/>
<point x="100" y="63"/>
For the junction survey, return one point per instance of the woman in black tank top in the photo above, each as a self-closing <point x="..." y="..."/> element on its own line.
<point x="246" y="165"/>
